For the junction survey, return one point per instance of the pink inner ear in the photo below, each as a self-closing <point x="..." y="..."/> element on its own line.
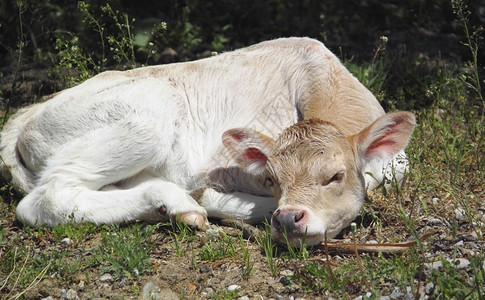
<point x="254" y="154"/>
<point x="385" y="145"/>
<point x="238" y="136"/>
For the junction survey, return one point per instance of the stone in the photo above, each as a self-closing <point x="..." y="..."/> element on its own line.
<point x="106" y="278"/>
<point x="66" y="242"/>
<point x="285" y="281"/>
<point x="460" y="214"/>
<point x="233" y="287"/>
<point x="460" y="263"/>
<point x="150" y="291"/>
<point x="71" y="295"/>
<point x="207" y="291"/>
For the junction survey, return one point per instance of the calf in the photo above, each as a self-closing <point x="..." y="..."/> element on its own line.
<point x="208" y="138"/>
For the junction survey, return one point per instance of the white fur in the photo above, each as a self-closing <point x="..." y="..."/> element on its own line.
<point x="121" y="145"/>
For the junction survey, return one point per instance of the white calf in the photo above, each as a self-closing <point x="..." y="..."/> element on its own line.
<point x="197" y="139"/>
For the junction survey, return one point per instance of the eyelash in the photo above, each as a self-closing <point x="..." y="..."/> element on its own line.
<point x="337" y="177"/>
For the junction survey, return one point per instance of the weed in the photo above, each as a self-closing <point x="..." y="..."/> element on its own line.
<point x="125" y="252"/>
<point x="89" y="18"/>
<point x="148" y="41"/>
<point x="451" y="283"/>
<point x="473" y="39"/>
<point x="270" y="250"/>
<point x="21" y="274"/>
<point x="122" y="43"/>
<point x="117" y="46"/>
<point x="75" y="232"/>
<point x="248" y="262"/>
<point x="188" y="33"/>
<point x="221" y="247"/>
<point x="181" y="233"/>
<point x="224" y="294"/>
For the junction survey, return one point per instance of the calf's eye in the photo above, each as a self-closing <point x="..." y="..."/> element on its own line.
<point x="337" y="177"/>
<point x="268" y="182"/>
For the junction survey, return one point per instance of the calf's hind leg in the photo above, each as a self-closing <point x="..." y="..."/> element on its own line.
<point x="72" y="186"/>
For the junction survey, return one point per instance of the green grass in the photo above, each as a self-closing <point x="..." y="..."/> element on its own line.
<point x="125" y="252"/>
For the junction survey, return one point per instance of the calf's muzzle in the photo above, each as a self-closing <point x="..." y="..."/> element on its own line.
<point x="289" y="221"/>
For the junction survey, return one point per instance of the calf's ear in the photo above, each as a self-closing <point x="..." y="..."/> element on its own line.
<point x="248" y="147"/>
<point x="386" y="136"/>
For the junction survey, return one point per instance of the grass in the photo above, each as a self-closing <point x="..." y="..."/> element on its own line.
<point x="125" y="252"/>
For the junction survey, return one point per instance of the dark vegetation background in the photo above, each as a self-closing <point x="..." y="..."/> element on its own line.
<point x="417" y="30"/>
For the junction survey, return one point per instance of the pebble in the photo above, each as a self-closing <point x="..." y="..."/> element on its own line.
<point x="285" y="281"/>
<point x="66" y="242"/>
<point x="436" y="265"/>
<point x="244" y="298"/>
<point x="69" y="295"/>
<point x="459" y="243"/>
<point x="434" y="221"/>
<point x="48" y="298"/>
<point x="460" y="214"/>
<point x="396" y="294"/>
<point x="233" y="287"/>
<point x="72" y="295"/>
<point x="428" y="289"/>
<point x="286" y="273"/>
<point x="106" y="278"/>
<point x="461" y="263"/>
<point x="150" y="291"/>
<point x="213" y="231"/>
<point x="473" y="236"/>
<point x="367" y="295"/>
<point x="81" y="285"/>
<point x="207" y="291"/>
<point x="204" y="268"/>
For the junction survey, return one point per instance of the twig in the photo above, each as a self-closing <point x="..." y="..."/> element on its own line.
<point x="389" y="248"/>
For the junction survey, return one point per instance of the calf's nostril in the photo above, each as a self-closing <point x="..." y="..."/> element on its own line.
<point x="275" y="220"/>
<point x="298" y="216"/>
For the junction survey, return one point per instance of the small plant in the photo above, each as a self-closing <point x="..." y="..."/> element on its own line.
<point x="269" y="247"/>
<point x="76" y="64"/>
<point x="248" y="262"/>
<point x="451" y="283"/>
<point x="74" y="232"/>
<point x="122" y="43"/>
<point x="181" y="233"/>
<point x="224" y="294"/>
<point x="22" y="275"/>
<point x="221" y="247"/>
<point x="125" y="252"/>
<point x="473" y="38"/>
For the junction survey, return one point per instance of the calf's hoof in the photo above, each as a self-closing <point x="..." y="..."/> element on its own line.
<point x="195" y="219"/>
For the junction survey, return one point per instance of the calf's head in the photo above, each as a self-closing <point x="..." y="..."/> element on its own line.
<point x="315" y="172"/>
